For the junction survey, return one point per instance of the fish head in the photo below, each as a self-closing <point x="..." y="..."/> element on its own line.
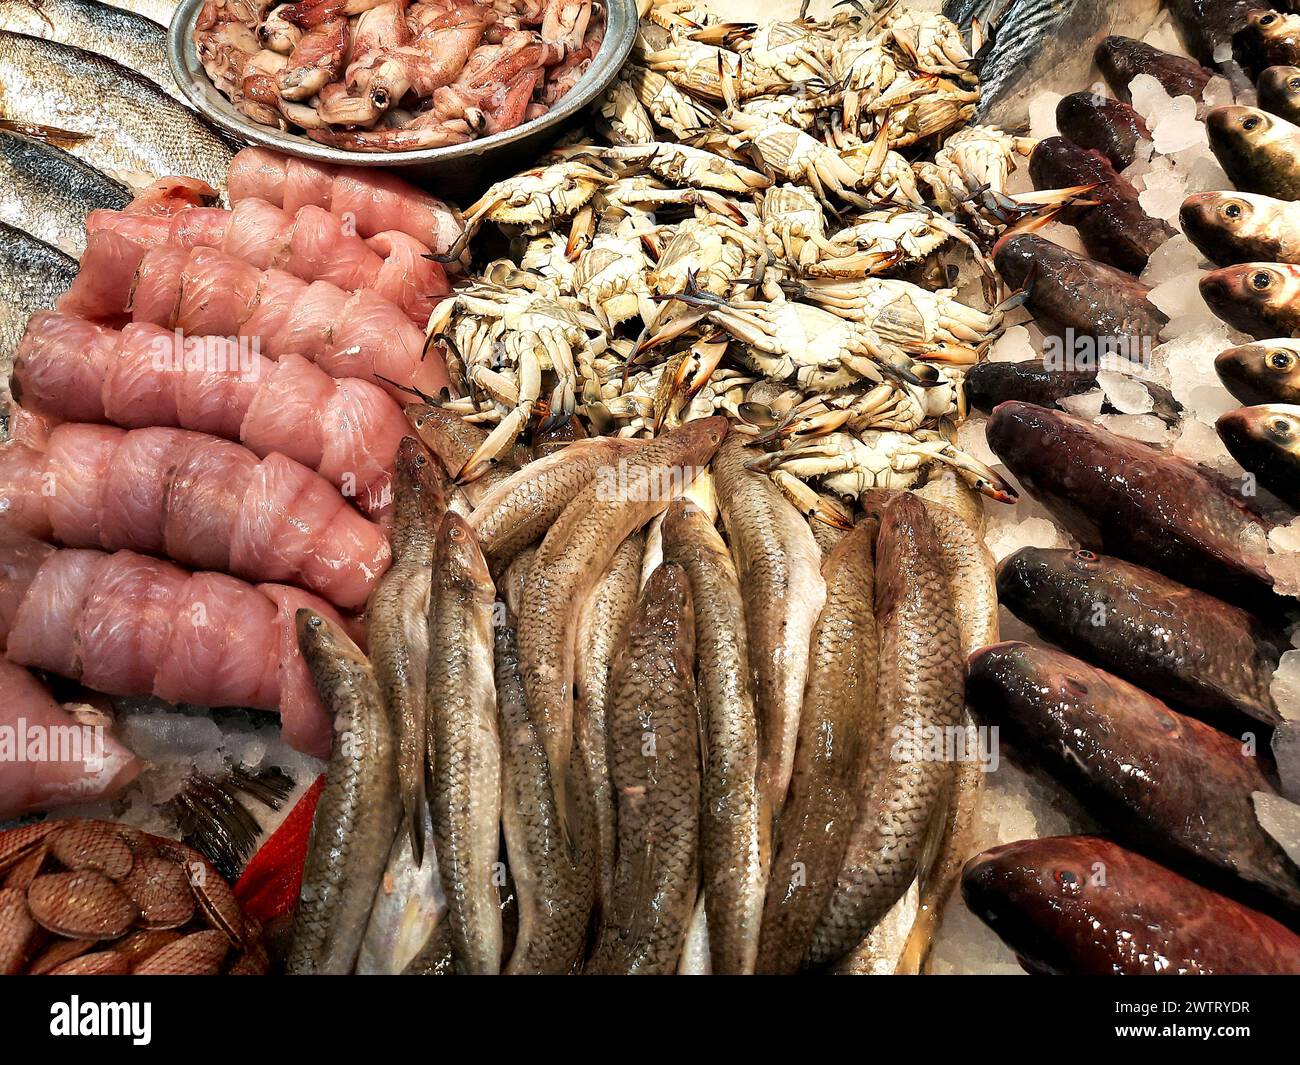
<point x="1121" y="59"/>
<point x="1257" y="38"/>
<point x="1261" y="373"/>
<point x="1261" y="431"/>
<point x="1208" y="217"/>
<point x="458" y="560"/>
<point x="699" y="439"/>
<point x="1015" y="258"/>
<point x="417" y="475"/>
<point x="1034" y="576"/>
<point x="666" y="606"/>
<point x="320" y="638"/>
<point x="1257" y="298"/>
<point x="1044" y="448"/>
<point x="1245" y="139"/>
<point x="1033" y="893"/>
<point x="1279" y="90"/>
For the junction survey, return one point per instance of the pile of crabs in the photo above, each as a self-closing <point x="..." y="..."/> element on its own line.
<point x="769" y="222"/>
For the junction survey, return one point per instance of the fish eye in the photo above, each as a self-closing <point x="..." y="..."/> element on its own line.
<point x="1233" y="209"/>
<point x="1261" y="280"/>
<point x="1293" y="84"/>
<point x="1267" y="20"/>
<point x="1251" y="123"/>
<point x="1281" y="426"/>
<point x="1279" y="360"/>
<point x="1069" y="881"/>
<point x="1086" y="555"/>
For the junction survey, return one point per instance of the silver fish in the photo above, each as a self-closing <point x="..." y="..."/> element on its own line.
<point x="134" y="41"/>
<point x="131" y="128"/>
<point x="49" y="192"/>
<point x="32" y="276"/>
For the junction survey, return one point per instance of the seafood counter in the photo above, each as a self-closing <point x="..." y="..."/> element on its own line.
<point x="797" y="525"/>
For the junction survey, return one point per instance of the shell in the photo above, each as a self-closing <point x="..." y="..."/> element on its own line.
<point x="82" y="905"/>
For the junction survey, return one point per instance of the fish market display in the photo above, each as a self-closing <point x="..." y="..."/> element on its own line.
<point x="604" y="574"/>
<point x="94" y="898"/>
<point x="389" y="77"/>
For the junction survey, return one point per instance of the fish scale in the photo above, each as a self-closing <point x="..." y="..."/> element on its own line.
<point x="921" y="687"/>
<point x="654" y="753"/>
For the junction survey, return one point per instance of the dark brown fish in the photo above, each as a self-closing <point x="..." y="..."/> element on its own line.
<point x="1108" y="126"/>
<point x="1197" y="652"/>
<point x="920" y="692"/>
<point x="1170" y="783"/>
<point x="1259" y="152"/>
<point x="1261" y="373"/>
<point x="1032" y="381"/>
<point x="829" y="766"/>
<point x="1262" y="299"/>
<point x="1068" y="292"/>
<point x="1279" y="92"/>
<point x="1241" y="227"/>
<point x="1125" y="498"/>
<point x="1113" y="226"/>
<point x="1083" y="905"/>
<point x="1206" y="28"/>
<point x="734" y="818"/>
<point x="1122" y="59"/>
<point x="654" y="747"/>
<point x="1269" y="38"/>
<point x="1266" y="441"/>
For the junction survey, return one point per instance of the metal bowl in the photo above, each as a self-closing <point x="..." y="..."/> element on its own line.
<point x="457" y="170"/>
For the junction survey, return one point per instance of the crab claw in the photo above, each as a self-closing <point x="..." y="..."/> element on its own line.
<point x="498" y="441"/>
<point x="980" y="477"/>
<point x="812" y="505"/>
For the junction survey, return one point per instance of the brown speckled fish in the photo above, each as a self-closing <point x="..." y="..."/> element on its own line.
<point x="920" y="689"/>
<point x="654" y="748"/>
<point x="464" y="750"/>
<point x="397" y="621"/>
<point x="358" y="810"/>
<point x="838" y="706"/>
<point x="734" y="819"/>
<point x="576" y="551"/>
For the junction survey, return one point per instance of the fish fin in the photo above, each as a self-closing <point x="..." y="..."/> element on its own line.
<point x="217" y="824"/>
<point x="1280" y="818"/>
<point x="59" y="138"/>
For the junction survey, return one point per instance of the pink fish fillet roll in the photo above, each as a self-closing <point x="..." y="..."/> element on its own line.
<point x="53" y="759"/>
<point x="374" y="199"/>
<point x="363" y="335"/>
<point x="203" y="501"/>
<point x="347" y="430"/>
<point x="127" y="624"/>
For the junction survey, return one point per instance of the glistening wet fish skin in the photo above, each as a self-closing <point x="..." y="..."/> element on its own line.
<point x="1067" y="291"/>
<point x="398" y="625"/>
<point x="138" y="43"/>
<point x="839" y="709"/>
<point x="409" y="914"/>
<point x="464" y="750"/>
<point x="135" y="131"/>
<point x="358" y="810"/>
<point x="1206" y="28"/>
<point x="576" y="551"/>
<point x="1121" y="59"/>
<point x="1241" y="227"/>
<point x="1269" y="38"/>
<point x="734" y="818"/>
<point x="655" y="762"/>
<point x="1268" y="372"/>
<point x="1125" y="498"/>
<point x="1278" y="90"/>
<point x="1034" y="381"/>
<point x="920" y="688"/>
<point x="1113" y="226"/>
<point x="1173" y="785"/>
<point x="1196" y="652"/>
<point x="518" y="510"/>
<point x="555" y="885"/>
<point x="48" y="192"/>
<point x="601" y="625"/>
<point x="1266" y="441"/>
<point x="957" y="512"/>
<point x="779" y="564"/>
<point x="1258" y="151"/>
<point x="32" y="276"/>
<point x="1262" y="299"/>
<point x="1044" y="897"/>
<point x="1109" y="126"/>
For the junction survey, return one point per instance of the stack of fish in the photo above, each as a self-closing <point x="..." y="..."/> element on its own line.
<point x="1162" y="726"/>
